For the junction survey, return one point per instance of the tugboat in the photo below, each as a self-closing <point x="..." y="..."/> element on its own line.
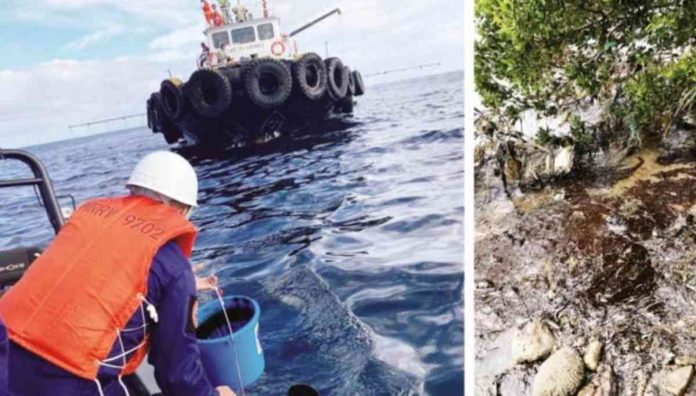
<point x="252" y="85"/>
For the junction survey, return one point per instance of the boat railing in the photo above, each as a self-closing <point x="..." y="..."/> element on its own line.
<point x="40" y="180"/>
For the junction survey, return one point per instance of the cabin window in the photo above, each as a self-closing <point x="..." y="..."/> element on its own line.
<point x="265" y="31"/>
<point x="220" y="39"/>
<point x="243" y="35"/>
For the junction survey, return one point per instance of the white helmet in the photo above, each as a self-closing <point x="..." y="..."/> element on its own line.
<point x="168" y="174"/>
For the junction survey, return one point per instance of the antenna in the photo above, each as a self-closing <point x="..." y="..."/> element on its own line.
<point x="265" y="10"/>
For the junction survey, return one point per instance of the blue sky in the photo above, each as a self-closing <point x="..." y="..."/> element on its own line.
<point x="70" y="61"/>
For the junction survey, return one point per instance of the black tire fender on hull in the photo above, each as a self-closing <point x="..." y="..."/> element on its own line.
<point x="309" y="76"/>
<point x="171" y="133"/>
<point x="267" y="82"/>
<point x="346" y="104"/>
<point x="209" y="92"/>
<point x="359" y="84"/>
<point x="337" y="79"/>
<point x="156" y="112"/>
<point x="351" y="82"/>
<point x="161" y="122"/>
<point x="172" y="99"/>
<point x="148" y="106"/>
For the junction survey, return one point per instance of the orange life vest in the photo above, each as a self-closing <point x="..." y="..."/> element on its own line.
<point x="207" y="12"/>
<point x="217" y="19"/>
<point x="69" y="305"/>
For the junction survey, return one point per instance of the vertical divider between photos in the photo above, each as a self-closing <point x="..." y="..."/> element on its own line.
<point x="469" y="328"/>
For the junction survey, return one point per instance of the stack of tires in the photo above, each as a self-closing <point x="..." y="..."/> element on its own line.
<point x="258" y="86"/>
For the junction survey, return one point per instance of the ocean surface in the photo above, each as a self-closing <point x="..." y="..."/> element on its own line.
<point x="369" y="210"/>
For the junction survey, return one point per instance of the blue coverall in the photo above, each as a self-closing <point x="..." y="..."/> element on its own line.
<point x="173" y="350"/>
<point x="3" y="359"/>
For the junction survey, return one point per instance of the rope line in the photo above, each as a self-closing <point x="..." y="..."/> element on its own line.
<point x="218" y="292"/>
<point x="99" y="388"/>
<point x="125" y="352"/>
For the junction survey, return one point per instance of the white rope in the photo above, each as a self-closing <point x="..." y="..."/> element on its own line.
<point x="125" y="388"/>
<point x="142" y="315"/>
<point x="123" y="349"/>
<point x="229" y="327"/>
<point x="101" y="393"/>
<point x="135" y="328"/>
<point x="110" y="365"/>
<point x="141" y="297"/>
<point x="123" y="354"/>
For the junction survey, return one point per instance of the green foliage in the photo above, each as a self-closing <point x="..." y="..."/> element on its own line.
<point x="543" y="136"/>
<point x="583" y="137"/>
<point x="551" y="55"/>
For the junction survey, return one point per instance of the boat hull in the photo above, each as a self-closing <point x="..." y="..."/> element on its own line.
<point x="246" y="117"/>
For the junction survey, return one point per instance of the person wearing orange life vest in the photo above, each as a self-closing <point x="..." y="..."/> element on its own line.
<point x="113" y="286"/>
<point x="218" y="20"/>
<point x="207" y="12"/>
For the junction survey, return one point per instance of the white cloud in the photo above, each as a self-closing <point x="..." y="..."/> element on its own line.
<point x="178" y="38"/>
<point x="92" y="12"/>
<point x="97" y="37"/>
<point x="40" y="103"/>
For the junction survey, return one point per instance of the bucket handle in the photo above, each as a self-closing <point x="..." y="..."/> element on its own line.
<point x="218" y="293"/>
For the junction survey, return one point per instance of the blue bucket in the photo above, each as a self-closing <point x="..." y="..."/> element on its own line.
<point x="235" y="361"/>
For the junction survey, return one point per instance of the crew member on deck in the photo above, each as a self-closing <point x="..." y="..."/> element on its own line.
<point x="207" y="58"/>
<point x="225" y="8"/>
<point x="241" y="13"/>
<point x="217" y="17"/>
<point x="207" y="12"/>
<point x="114" y="285"/>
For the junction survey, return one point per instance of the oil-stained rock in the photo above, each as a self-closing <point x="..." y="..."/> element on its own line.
<point x="592" y="355"/>
<point x="685" y="361"/>
<point x="560" y="375"/>
<point x="533" y="342"/>
<point x="675" y="382"/>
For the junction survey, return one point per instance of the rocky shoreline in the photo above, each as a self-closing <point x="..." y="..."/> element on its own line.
<point x="585" y="275"/>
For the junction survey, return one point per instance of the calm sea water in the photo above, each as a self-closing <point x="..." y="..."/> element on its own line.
<point x="373" y="206"/>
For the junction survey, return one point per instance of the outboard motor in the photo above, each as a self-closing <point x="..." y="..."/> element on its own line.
<point x="13" y="264"/>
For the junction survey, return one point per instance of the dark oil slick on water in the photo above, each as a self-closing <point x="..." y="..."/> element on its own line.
<point x="350" y="238"/>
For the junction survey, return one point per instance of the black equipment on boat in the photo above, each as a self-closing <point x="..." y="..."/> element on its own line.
<point x="302" y="390"/>
<point x="14" y="262"/>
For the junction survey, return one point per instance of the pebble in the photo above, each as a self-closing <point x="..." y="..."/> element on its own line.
<point x="675" y="382"/>
<point x="560" y="375"/>
<point x="587" y="390"/>
<point x="592" y="355"/>
<point x="533" y="342"/>
<point x="685" y="361"/>
<point x="602" y="384"/>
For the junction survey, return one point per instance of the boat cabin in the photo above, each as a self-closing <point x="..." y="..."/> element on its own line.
<point x="256" y="38"/>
